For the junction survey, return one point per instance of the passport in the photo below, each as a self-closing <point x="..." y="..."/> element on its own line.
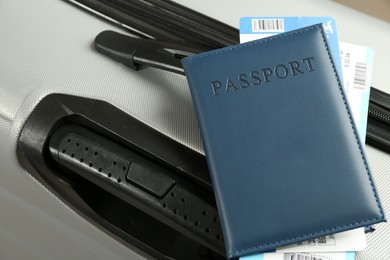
<point x="285" y="159"/>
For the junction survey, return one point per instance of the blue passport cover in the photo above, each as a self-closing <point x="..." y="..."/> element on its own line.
<point x="285" y="159"/>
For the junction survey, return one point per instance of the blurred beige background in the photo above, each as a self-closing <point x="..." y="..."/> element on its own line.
<point x="377" y="8"/>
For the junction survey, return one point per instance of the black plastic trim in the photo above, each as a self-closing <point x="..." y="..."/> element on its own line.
<point x="100" y="204"/>
<point x="378" y="127"/>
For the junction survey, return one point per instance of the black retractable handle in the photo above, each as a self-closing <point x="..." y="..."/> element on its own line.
<point x="137" y="53"/>
<point x="164" y="20"/>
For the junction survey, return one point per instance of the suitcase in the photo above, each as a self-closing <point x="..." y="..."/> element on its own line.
<point x="74" y="94"/>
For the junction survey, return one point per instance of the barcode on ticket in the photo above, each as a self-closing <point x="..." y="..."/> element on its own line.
<point x="304" y="256"/>
<point x="267" y="25"/>
<point x="360" y="76"/>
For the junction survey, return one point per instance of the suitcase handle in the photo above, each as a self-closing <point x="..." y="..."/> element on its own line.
<point x="137" y="53"/>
